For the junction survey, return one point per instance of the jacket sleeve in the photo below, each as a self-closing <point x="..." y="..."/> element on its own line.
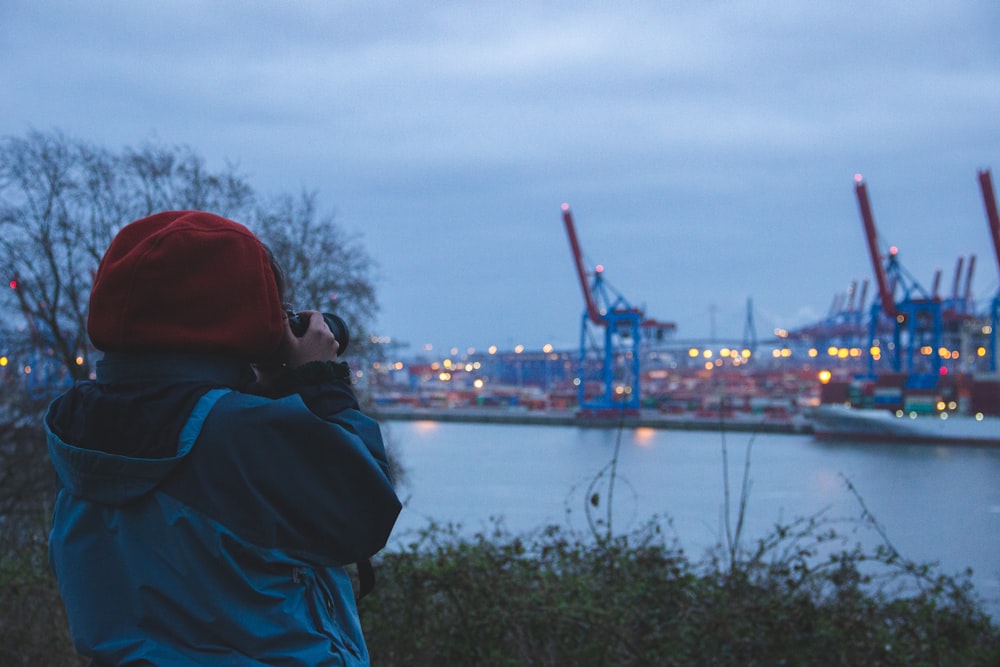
<point x="325" y="388"/>
<point x="280" y="475"/>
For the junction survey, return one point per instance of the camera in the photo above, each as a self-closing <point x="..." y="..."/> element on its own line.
<point x="338" y="327"/>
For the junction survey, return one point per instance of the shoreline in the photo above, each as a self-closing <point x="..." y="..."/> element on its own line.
<point x="654" y="420"/>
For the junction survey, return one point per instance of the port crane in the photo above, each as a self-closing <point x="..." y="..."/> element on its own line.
<point x="611" y="332"/>
<point x="959" y="304"/>
<point x="843" y="324"/>
<point x="914" y="322"/>
<point x="993" y="218"/>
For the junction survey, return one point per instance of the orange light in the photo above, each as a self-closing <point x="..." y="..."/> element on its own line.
<point x="644" y="435"/>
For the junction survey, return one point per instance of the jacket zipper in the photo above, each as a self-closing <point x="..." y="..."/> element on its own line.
<point x="317" y="594"/>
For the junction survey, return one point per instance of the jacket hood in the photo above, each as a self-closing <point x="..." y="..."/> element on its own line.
<point x="108" y="479"/>
<point x="116" y="439"/>
<point x="115" y="479"/>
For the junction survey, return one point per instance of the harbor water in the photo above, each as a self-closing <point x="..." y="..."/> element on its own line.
<point x="934" y="503"/>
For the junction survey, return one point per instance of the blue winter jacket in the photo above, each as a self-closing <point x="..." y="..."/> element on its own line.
<point x="199" y="525"/>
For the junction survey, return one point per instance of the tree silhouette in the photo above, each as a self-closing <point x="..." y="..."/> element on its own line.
<point x="62" y="200"/>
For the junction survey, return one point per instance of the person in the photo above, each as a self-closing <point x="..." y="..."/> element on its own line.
<point x="216" y="478"/>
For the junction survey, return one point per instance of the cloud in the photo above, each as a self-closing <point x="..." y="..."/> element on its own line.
<point x="707" y="148"/>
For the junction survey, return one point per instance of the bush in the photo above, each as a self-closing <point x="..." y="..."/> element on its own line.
<point x="32" y="621"/>
<point x="33" y="627"/>
<point x="558" y="599"/>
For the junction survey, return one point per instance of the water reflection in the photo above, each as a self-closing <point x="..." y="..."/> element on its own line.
<point x="935" y="503"/>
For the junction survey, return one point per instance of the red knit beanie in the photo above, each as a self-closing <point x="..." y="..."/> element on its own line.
<point x="189" y="281"/>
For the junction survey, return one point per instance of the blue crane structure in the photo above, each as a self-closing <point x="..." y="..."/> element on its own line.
<point x="913" y="322"/>
<point x="906" y="326"/>
<point x="611" y="333"/>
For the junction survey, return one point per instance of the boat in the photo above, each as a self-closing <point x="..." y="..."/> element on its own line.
<point x="844" y="422"/>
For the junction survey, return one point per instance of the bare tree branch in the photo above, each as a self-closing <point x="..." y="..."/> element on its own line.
<point x="61" y="203"/>
<point x="327" y="268"/>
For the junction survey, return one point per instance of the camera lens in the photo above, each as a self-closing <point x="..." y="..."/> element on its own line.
<point x="337" y="326"/>
<point x="340" y="331"/>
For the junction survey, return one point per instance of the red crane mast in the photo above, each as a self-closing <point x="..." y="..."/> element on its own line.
<point x="588" y="297"/>
<point x="884" y="291"/>
<point x="990" y="201"/>
<point x="958" y="279"/>
<point x="968" y="281"/>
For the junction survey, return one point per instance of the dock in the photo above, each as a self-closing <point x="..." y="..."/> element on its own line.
<point x="743" y="423"/>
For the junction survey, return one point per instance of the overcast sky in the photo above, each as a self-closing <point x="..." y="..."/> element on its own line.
<point x="707" y="149"/>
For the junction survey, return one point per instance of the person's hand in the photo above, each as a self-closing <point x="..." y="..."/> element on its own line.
<point x="316" y="344"/>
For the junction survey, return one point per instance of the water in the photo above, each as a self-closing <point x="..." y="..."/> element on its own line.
<point x="936" y="504"/>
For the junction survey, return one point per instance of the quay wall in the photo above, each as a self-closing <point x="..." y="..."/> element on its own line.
<point x="655" y="420"/>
